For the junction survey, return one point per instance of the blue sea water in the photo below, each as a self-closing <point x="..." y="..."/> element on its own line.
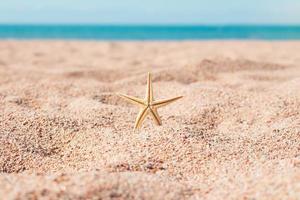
<point x="110" y="32"/>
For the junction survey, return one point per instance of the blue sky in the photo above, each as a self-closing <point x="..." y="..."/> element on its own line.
<point x="151" y="11"/>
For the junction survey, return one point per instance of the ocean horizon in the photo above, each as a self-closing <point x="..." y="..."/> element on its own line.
<point x="151" y="32"/>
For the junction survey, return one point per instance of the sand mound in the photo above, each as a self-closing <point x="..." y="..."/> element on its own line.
<point x="65" y="134"/>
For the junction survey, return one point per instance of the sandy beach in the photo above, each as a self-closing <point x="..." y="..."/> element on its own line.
<point x="64" y="133"/>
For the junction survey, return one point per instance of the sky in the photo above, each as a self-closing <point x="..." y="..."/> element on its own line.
<point x="150" y="12"/>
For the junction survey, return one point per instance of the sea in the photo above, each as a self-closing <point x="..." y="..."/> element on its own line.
<point x="149" y="32"/>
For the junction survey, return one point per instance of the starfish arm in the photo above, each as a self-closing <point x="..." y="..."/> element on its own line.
<point x="161" y="103"/>
<point x="149" y="92"/>
<point x="155" y="116"/>
<point x="132" y="99"/>
<point x="140" y="118"/>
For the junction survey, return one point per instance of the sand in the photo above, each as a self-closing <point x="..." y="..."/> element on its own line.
<point x="65" y="134"/>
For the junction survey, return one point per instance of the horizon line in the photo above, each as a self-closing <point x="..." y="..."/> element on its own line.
<point x="154" y="24"/>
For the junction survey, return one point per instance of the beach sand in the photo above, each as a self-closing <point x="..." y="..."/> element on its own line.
<point x="65" y="134"/>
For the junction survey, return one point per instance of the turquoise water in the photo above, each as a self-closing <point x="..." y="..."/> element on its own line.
<point x="100" y="32"/>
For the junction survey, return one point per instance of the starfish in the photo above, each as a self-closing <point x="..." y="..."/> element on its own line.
<point x="148" y="106"/>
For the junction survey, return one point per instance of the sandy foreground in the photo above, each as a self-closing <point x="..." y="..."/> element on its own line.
<point x="65" y="134"/>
